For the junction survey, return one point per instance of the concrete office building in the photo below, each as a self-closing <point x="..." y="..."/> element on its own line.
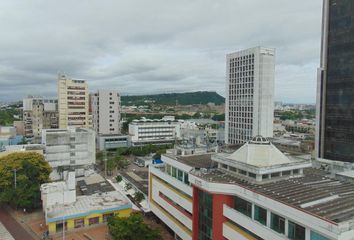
<point x="335" y="87"/>
<point x="105" y="105"/>
<point x="249" y="109"/>
<point x="81" y="202"/>
<point x="171" y="194"/>
<point x="73" y="102"/>
<point x="106" y="112"/>
<point x="72" y="149"/>
<point x="39" y="113"/>
<point x="255" y="192"/>
<point x="153" y="131"/>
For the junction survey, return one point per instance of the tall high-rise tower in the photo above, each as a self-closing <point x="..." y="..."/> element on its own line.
<point x="335" y="87"/>
<point x="73" y="102"/>
<point x="249" y="94"/>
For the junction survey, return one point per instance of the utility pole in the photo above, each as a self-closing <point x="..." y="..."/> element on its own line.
<point x="105" y="160"/>
<point x="15" y="177"/>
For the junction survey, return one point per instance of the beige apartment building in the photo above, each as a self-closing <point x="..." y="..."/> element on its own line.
<point x="73" y="102"/>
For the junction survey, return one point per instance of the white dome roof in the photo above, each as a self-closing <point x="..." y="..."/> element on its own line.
<point x="259" y="152"/>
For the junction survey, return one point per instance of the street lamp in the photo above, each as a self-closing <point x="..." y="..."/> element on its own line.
<point x="63" y="217"/>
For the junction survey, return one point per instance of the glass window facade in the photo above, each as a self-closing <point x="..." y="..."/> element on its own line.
<point x="177" y="173"/>
<point x="243" y="206"/>
<point x="338" y="129"/>
<point x="316" y="236"/>
<point x="205" y="216"/>
<point x="296" y="232"/>
<point x="260" y="215"/>
<point x="277" y="223"/>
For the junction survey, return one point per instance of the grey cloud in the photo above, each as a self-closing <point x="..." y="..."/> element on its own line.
<point x="154" y="46"/>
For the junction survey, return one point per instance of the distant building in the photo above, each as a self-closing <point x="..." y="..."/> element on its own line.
<point x="85" y="202"/>
<point x="73" y="102"/>
<point x="8" y="137"/>
<point x="335" y="109"/>
<point x="112" y="141"/>
<point x="256" y="192"/>
<point x="153" y="131"/>
<point x="9" y="149"/>
<point x="39" y="113"/>
<point x="249" y="105"/>
<point x="71" y="149"/>
<point x="20" y="127"/>
<point x="105" y="106"/>
<point x="106" y="112"/>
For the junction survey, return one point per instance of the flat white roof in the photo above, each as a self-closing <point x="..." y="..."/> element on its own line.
<point x="86" y="205"/>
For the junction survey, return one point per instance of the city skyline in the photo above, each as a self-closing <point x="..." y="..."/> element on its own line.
<point x="179" y="48"/>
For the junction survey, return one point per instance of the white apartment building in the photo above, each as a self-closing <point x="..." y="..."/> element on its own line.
<point x="71" y="148"/>
<point x="153" y="131"/>
<point x="249" y="94"/>
<point x="256" y="192"/>
<point x="106" y="112"/>
<point x="39" y="113"/>
<point x="73" y="102"/>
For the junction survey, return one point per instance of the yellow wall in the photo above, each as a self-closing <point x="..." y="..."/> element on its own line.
<point x="52" y="228"/>
<point x="71" y="222"/>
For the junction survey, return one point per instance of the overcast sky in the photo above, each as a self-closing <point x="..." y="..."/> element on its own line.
<point x="154" y="46"/>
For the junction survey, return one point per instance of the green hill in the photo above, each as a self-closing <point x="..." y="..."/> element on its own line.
<point x="171" y="98"/>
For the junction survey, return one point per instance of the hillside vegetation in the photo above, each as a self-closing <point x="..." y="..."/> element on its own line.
<point x="173" y="98"/>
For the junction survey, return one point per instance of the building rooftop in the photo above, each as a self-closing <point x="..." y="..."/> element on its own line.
<point x="93" y="184"/>
<point x="84" y="205"/>
<point x="196" y="161"/>
<point x="314" y="192"/>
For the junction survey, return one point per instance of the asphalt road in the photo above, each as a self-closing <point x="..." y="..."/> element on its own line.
<point x="16" y="230"/>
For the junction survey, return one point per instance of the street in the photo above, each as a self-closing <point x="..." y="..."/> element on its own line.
<point x="16" y="230"/>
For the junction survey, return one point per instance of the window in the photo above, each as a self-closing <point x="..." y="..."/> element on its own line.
<point x="274" y="175"/>
<point x="286" y="173"/>
<point x="260" y="215"/>
<point x="224" y="166"/>
<point x="243" y="172"/>
<point x="252" y="175"/>
<point x="79" y="223"/>
<point x="296" y="232"/>
<point x="232" y="169"/>
<point x="243" y="206"/>
<point x="296" y="171"/>
<point x="179" y="175"/>
<point x="174" y="172"/>
<point x="94" y="220"/>
<point x="265" y="176"/>
<point x="205" y="222"/>
<point x="316" y="236"/>
<point x="169" y="171"/>
<point x="186" y="180"/>
<point x="106" y="216"/>
<point x="277" y="223"/>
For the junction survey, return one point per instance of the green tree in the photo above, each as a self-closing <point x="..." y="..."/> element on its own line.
<point x="128" y="186"/>
<point x="138" y="197"/>
<point x="119" y="178"/>
<point x="131" y="228"/>
<point x="157" y="155"/>
<point x="31" y="171"/>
